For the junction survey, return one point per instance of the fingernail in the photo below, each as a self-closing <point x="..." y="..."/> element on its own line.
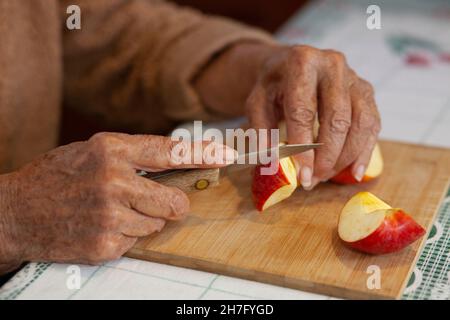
<point x="306" y="177"/>
<point x="230" y="155"/>
<point x="359" y="173"/>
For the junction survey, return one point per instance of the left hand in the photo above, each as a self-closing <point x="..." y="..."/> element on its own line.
<point x="298" y="84"/>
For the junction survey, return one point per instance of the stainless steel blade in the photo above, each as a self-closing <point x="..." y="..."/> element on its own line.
<point x="283" y="152"/>
<point x="244" y="160"/>
<point x="253" y="158"/>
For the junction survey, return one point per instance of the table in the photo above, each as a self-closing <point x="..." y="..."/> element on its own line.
<point x="407" y="60"/>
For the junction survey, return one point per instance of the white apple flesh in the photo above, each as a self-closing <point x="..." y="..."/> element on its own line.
<point x="268" y="190"/>
<point x="374" y="169"/>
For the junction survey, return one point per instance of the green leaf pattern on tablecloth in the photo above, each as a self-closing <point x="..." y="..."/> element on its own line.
<point x="402" y="43"/>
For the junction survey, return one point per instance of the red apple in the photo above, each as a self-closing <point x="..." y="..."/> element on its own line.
<point x="374" y="169"/>
<point x="370" y="225"/>
<point x="268" y="190"/>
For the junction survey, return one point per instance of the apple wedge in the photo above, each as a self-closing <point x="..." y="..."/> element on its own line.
<point x="370" y="225"/>
<point x="374" y="169"/>
<point x="268" y="190"/>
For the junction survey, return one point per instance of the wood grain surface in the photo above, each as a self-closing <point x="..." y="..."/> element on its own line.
<point x="295" y="243"/>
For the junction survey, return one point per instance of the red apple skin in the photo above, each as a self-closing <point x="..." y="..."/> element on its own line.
<point x="264" y="186"/>
<point x="374" y="169"/>
<point x="397" y="231"/>
<point x="346" y="177"/>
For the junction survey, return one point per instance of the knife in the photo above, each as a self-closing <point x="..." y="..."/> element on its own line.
<point x="190" y="180"/>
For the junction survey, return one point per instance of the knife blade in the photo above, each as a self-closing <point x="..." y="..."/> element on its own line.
<point x="253" y="158"/>
<point x="190" y="180"/>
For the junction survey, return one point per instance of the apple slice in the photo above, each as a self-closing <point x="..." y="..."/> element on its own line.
<point x="370" y="225"/>
<point x="374" y="169"/>
<point x="268" y="190"/>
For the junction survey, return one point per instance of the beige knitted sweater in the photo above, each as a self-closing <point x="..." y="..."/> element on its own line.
<point x="132" y="63"/>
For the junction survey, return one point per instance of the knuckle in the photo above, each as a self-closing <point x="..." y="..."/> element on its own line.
<point x="368" y="122"/>
<point x="302" y="53"/>
<point x="376" y="129"/>
<point x="302" y="115"/>
<point x="339" y="122"/>
<point x="103" y="143"/>
<point x="336" y="57"/>
<point x="105" y="248"/>
<point x="102" y="139"/>
<point x="365" y="121"/>
<point x="367" y="88"/>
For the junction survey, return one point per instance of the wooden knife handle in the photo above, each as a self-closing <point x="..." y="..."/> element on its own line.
<point x="188" y="180"/>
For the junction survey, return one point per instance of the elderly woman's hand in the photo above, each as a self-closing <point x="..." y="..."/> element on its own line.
<point x="298" y="84"/>
<point x="84" y="202"/>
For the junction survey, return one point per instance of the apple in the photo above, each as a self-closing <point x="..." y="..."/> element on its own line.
<point x="268" y="190"/>
<point x="374" y="169"/>
<point x="370" y="225"/>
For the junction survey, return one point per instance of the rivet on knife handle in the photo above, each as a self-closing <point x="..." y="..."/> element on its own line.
<point x="188" y="180"/>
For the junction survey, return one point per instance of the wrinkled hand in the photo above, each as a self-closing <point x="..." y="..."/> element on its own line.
<point x="84" y="202"/>
<point x="301" y="83"/>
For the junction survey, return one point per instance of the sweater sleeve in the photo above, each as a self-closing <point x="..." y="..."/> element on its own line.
<point x="133" y="59"/>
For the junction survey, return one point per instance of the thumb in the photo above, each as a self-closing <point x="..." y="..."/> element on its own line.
<point x="155" y="153"/>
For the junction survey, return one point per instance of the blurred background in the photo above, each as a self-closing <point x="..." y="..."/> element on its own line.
<point x="266" y="14"/>
<point x="407" y="59"/>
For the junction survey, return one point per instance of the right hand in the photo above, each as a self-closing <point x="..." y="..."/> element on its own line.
<point x="85" y="203"/>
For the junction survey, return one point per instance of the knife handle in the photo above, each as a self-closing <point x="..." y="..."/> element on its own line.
<point x="188" y="180"/>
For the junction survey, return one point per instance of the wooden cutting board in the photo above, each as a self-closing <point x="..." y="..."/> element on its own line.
<point x="295" y="243"/>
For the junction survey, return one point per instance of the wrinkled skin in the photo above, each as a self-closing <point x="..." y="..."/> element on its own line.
<point x="298" y="84"/>
<point x="84" y="202"/>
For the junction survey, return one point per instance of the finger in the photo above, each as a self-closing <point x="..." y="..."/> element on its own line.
<point x="335" y="119"/>
<point x="156" y="153"/>
<point x="124" y="244"/>
<point x="261" y="115"/>
<point x="373" y="128"/>
<point x="155" y="200"/>
<point x="136" y="224"/>
<point x="300" y="109"/>
<point x="365" y="121"/>
<point x="360" y="165"/>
